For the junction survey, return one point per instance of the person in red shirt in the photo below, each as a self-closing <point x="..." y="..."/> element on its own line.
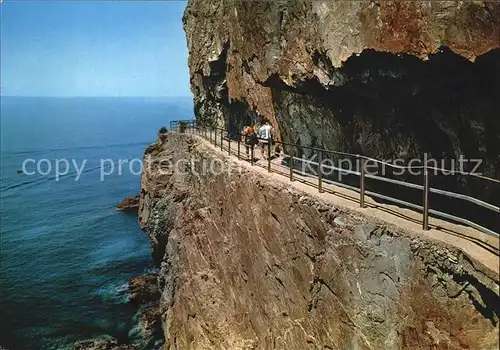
<point x="247" y="134"/>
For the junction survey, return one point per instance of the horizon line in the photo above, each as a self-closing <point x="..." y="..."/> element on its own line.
<point x="93" y="96"/>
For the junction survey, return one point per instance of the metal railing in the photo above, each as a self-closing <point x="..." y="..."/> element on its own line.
<point x="181" y="125"/>
<point x="214" y="134"/>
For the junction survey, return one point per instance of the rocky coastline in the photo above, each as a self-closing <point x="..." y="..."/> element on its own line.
<point x="144" y="295"/>
<point x="102" y="343"/>
<point x="249" y="262"/>
<point x="130" y="203"/>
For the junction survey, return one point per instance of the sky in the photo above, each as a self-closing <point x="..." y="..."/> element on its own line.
<point x="93" y="48"/>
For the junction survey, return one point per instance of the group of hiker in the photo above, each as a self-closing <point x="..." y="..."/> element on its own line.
<point x="263" y="136"/>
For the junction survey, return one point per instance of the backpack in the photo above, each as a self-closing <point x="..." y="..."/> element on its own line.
<point x="252" y="139"/>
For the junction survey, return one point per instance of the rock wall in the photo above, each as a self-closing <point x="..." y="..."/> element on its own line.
<point x="251" y="263"/>
<point x="392" y="80"/>
<point x="385" y="78"/>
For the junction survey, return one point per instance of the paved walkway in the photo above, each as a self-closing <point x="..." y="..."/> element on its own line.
<point x="480" y="246"/>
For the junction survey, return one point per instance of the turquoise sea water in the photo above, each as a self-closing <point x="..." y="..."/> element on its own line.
<point x="66" y="253"/>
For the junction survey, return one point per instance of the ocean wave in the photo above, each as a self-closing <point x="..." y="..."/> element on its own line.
<point x="45" y="179"/>
<point x="34" y="151"/>
<point x="115" y="292"/>
<point x="131" y="262"/>
<point x="44" y="150"/>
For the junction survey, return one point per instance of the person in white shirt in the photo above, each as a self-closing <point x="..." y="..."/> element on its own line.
<point x="265" y="132"/>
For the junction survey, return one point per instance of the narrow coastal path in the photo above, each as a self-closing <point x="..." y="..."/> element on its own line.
<point x="480" y="246"/>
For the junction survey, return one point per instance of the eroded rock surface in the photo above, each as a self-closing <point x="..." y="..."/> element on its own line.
<point x="130" y="203"/>
<point x="243" y="54"/>
<point x="143" y="288"/>
<point x="145" y="294"/>
<point x="105" y="343"/>
<point x="249" y="263"/>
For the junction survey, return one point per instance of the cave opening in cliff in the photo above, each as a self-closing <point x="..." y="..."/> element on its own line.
<point x="391" y="107"/>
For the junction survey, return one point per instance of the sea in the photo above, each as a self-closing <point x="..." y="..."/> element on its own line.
<point x="66" y="252"/>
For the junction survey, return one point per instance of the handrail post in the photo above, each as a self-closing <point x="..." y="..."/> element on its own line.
<point x="425" y="223"/>
<point x="291" y="162"/>
<point x="362" y="182"/>
<point x="211" y="136"/>
<point x="239" y="146"/>
<point x="221" y="139"/>
<point x="228" y="145"/>
<point x="269" y="144"/>
<point x="320" y="172"/>
<point x="252" y="154"/>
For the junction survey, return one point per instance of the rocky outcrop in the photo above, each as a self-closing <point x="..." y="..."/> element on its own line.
<point x="147" y="332"/>
<point x="105" y="343"/>
<point x="130" y="203"/>
<point x="144" y="288"/>
<point x="387" y="79"/>
<point x="248" y="262"/>
<point x="145" y="294"/>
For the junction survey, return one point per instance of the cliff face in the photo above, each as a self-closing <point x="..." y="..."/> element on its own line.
<point x="389" y="79"/>
<point x="248" y="262"/>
